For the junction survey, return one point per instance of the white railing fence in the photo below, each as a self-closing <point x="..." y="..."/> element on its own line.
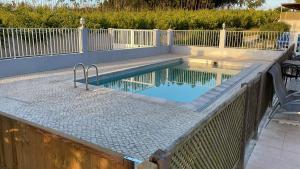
<point x="99" y="40"/>
<point x="18" y="42"/>
<point x="132" y="38"/>
<point x="263" y="40"/>
<point x="163" y="38"/>
<point x="122" y="38"/>
<point x="143" y="38"/>
<point x="203" y="38"/>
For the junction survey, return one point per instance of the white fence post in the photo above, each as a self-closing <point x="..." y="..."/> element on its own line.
<point x="222" y="37"/>
<point x="170" y="37"/>
<point x="156" y="37"/>
<point x="132" y="38"/>
<point x="112" y="38"/>
<point x="83" y="37"/>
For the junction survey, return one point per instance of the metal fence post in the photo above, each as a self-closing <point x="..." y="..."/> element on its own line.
<point x="161" y="158"/>
<point x="241" y="163"/>
<point x="222" y="37"/>
<point x="259" y="100"/>
<point x="156" y="37"/>
<point x="147" y="165"/>
<point x="83" y="37"/>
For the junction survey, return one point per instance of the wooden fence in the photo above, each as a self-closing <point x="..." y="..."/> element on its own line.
<point x="24" y="146"/>
<point x="220" y="140"/>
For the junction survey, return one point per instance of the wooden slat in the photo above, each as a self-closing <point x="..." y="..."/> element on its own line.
<point x="23" y="146"/>
<point x="216" y="142"/>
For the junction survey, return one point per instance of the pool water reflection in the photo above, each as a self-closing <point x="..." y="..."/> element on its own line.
<point x="182" y="83"/>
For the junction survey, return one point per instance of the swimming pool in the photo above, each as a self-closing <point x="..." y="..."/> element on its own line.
<point x="179" y="82"/>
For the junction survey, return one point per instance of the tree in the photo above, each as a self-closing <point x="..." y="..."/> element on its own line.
<point x="177" y="4"/>
<point x="252" y="4"/>
<point x="223" y="3"/>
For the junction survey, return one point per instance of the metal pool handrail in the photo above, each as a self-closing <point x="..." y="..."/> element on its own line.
<point x="87" y="75"/>
<point x="84" y="71"/>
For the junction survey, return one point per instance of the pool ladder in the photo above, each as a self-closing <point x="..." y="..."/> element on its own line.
<point x="85" y="74"/>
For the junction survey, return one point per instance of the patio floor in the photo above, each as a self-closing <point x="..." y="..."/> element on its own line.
<point x="97" y="116"/>
<point x="278" y="146"/>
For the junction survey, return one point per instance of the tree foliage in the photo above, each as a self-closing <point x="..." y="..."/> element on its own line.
<point x="252" y="4"/>
<point x="25" y="16"/>
<point x="166" y="4"/>
<point x="277" y="26"/>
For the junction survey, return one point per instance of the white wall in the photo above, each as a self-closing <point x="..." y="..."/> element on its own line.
<point x="13" y="67"/>
<point x="263" y="55"/>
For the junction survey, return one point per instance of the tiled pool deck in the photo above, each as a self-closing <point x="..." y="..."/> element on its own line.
<point x="131" y="125"/>
<point x="278" y="146"/>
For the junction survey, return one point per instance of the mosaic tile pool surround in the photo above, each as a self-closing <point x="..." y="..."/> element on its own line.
<point x="179" y="81"/>
<point x="98" y="116"/>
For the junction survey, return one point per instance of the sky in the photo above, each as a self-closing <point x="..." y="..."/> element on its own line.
<point x="274" y="3"/>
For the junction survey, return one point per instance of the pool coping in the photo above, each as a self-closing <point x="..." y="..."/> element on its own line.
<point x="198" y="104"/>
<point x="121" y="73"/>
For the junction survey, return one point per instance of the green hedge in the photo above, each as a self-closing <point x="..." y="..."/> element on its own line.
<point x="26" y="16"/>
<point x="278" y="26"/>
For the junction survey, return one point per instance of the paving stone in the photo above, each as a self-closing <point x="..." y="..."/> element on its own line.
<point x="111" y="119"/>
<point x="133" y="126"/>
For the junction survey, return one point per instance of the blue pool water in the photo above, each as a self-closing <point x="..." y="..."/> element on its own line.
<point x="181" y="83"/>
<point x="177" y="92"/>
